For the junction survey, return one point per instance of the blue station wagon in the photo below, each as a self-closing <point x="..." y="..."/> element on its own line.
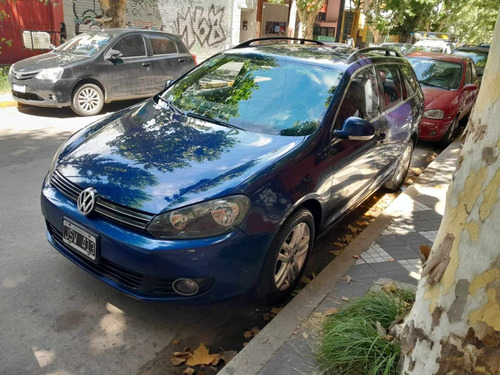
<point x="218" y="185"/>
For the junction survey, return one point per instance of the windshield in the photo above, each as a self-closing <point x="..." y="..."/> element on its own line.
<point x="436" y="73"/>
<point x="86" y="44"/>
<point x="479" y="58"/>
<point x="258" y="93"/>
<point x="426" y="49"/>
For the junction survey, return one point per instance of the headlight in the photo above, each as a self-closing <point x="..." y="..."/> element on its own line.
<point x="10" y="69"/>
<point x="207" y="219"/>
<point x="434" y="113"/>
<point x="52" y="74"/>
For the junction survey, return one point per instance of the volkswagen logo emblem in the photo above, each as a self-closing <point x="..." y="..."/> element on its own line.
<point x="86" y="200"/>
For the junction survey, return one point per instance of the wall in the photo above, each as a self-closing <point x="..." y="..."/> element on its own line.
<point x="274" y="13"/>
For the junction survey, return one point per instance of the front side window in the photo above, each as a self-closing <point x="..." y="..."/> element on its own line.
<point x="391" y="84"/>
<point x="437" y="73"/>
<point x="131" y="46"/>
<point x="362" y="98"/>
<point x="162" y="45"/>
<point x="258" y="93"/>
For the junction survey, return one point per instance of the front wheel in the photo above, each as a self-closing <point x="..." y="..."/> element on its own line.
<point x="396" y="181"/>
<point x="446" y="140"/>
<point x="87" y="100"/>
<point x="287" y="257"/>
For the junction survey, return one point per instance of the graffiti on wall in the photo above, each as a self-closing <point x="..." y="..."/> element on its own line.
<point x="87" y="15"/>
<point x="143" y="9"/>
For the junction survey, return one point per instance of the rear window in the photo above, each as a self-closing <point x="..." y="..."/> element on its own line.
<point x="437" y="73"/>
<point x="258" y="93"/>
<point x="162" y="45"/>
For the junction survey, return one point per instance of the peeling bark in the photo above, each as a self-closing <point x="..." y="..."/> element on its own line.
<point x="454" y="325"/>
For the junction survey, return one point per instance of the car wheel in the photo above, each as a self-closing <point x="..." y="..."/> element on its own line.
<point x="399" y="174"/>
<point x="287" y="257"/>
<point x="446" y="140"/>
<point x="87" y="100"/>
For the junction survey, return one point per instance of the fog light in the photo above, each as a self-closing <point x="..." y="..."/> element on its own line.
<point x="432" y="133"/>
<point x="185" y="287"/>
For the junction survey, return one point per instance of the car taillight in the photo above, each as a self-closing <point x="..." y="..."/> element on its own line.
<point x="194" y="58"/>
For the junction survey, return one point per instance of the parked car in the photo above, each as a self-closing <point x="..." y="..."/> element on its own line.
<point x="219" y="184"/>
<point x="402" y="48"/>
<point x="478" y="54"/>
<point x="102" y="66"/>
<point x="432" y="45"/>
<point x="450" y="86"/>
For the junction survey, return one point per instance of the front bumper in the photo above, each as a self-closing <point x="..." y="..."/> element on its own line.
<point x="434" y="130"/>
<point x="145" y="267"/>
<point x="43" y="93"/>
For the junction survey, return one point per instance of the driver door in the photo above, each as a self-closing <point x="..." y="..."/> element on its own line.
<point x="130" y="75"/>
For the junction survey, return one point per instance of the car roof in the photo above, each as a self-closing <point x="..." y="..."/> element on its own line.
<point x="121" y="31"/>
<point x="473" y="49"/>
<point x="315" y="54"/>
<point x="439" y="56"/>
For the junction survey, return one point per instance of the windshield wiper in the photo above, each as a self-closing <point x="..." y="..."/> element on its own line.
<point x="432" y="85"/>
<point x="171" y="105"/>
<point x="212" y="120"/>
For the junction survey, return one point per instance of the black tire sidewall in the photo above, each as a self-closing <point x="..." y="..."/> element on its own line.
<point x="392" y="184"/>
<point x="266" y="287"/>
<point x="74" y="100"/>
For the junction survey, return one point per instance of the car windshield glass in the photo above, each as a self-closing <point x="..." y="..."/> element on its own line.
<point x="436" y="73"/>
<point x="257" y="93"/>
<point x="86" y="44"/>
<point x="479" y="58"/>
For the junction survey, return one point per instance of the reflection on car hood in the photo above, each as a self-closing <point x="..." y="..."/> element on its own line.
<point x="153" y="160"/>
<point x="46" y="61"/>
<point x="436" y="98"/>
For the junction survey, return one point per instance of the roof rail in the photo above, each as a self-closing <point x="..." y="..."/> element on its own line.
<point x="355" y="55"/>
<point x="247" y="43"/>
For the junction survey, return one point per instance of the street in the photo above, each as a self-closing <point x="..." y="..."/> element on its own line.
<point x="56" y="318"/>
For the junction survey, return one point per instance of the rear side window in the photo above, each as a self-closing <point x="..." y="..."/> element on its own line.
<point x="131" y="46"/>
<point x="409" y="80"/>
<point x="162" y="45"/>
<point x="391" y="84"/>
<point x="362" y="98"/>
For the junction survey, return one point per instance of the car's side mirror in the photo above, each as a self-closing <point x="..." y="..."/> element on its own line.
<point x="113" y="54"/>
<point x="470" y="87"/>
<point x="168" y="82"/>
<point x="355" y="129"/>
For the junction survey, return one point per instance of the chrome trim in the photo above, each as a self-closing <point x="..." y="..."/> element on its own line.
<point x="360" y="137"/>
<point x="124" y="215"/>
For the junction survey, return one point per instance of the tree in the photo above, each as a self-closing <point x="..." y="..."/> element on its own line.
<point x="114" y="10"/>
<point x="308" y="11"/>
<point x="454" y="325"/>
<point x="473" y="21"/>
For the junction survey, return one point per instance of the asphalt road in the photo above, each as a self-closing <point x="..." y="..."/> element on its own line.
<point x="54" y="317"/>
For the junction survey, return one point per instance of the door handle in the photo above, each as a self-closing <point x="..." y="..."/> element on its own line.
<point x="146" y="65"/>
<point x="182" y="60"/>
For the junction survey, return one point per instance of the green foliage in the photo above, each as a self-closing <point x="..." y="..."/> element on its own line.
<point x="473" y="21"/>
<point x="4" y="85"/>
<point x="355" y="339"/>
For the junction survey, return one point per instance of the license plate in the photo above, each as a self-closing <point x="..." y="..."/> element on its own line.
<point x="18" y="88"/>
<point x="79" y="240"/>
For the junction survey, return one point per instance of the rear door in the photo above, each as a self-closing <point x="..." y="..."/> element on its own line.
<point x="397" y="113"/>
<point x="356" y="165"/>
<point x="131" y="75"/>
<point x="166" y="60"/>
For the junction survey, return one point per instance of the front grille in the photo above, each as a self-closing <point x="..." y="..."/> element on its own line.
<point x="27" y="96"/>
<point x="123" y="215"/>
<point x="23" y="75"/>
<point x="113" y="271"/>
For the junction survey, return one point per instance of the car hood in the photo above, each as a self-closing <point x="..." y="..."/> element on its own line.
<point x="46" y="61"/>
<point x="153" y="160"/>
<point x="435" y="98"/>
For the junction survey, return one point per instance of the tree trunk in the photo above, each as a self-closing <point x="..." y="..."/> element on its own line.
<point x="307" y="18"/>
<point x="454" y="326"/>
<point x="115" y="11"/>
<point x="292" y="19"/>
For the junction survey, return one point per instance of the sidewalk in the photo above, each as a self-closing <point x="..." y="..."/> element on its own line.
<point x="6" y="100"/>
<point x="387" y="249"/>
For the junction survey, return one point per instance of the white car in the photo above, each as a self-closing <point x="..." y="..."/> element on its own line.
<point x="432" y="45"/>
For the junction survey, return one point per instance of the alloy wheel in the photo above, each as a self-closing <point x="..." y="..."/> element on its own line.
<point x="292" y="256"/>
<point x="88" y="99"/>
<point x="404" y="164"/>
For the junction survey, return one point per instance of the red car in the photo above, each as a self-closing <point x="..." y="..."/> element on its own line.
<point x="450" y="87"/>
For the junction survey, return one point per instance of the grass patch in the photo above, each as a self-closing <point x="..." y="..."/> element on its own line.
<point x="356" y="339"/>
<point x="4" y="85"/>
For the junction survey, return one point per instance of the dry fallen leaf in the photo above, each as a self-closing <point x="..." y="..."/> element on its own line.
<point x="245" y="344"/>
<point x="355" y="256"/>
<point x="425" y="251"/>
<point x="178" y="358"/>
<point x="247" y="334"/>
<point x="228" y="355"/>
<point x="389" y="287"/>
<point x="335" y="252"/>
<point x="347" y="278"/>
<point x="305" y="279"/>
<point x="344" y="298"/>
<point x="266" y="316"/>
<point x="391" y="260"/>
<point x="353" y="229"/>
<point x="338" y="244"/>
<point x="186" y="349"/>
<point x="295" y="332"/>
<point x="201" y="356"/>
<point x="188" y="371"/>
<point x="348" y="238"/>
<point x="216" y="360"/>
<point x="254" y="331"/>
<point x="276" y="310"/>
<point x="305" y="335"/>
<point x="331" y="311"/>
<point x="175" y="342"/>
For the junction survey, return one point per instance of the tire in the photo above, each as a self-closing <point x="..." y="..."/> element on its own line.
<point x="397" y="178"/>
<point x="446" y="140"/>
<point x="285" y="264"/>
<point x="87" y="100"/>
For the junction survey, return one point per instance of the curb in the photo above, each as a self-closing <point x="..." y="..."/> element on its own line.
<point x="11" y="103"/>
<point x="252" y="358"/>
